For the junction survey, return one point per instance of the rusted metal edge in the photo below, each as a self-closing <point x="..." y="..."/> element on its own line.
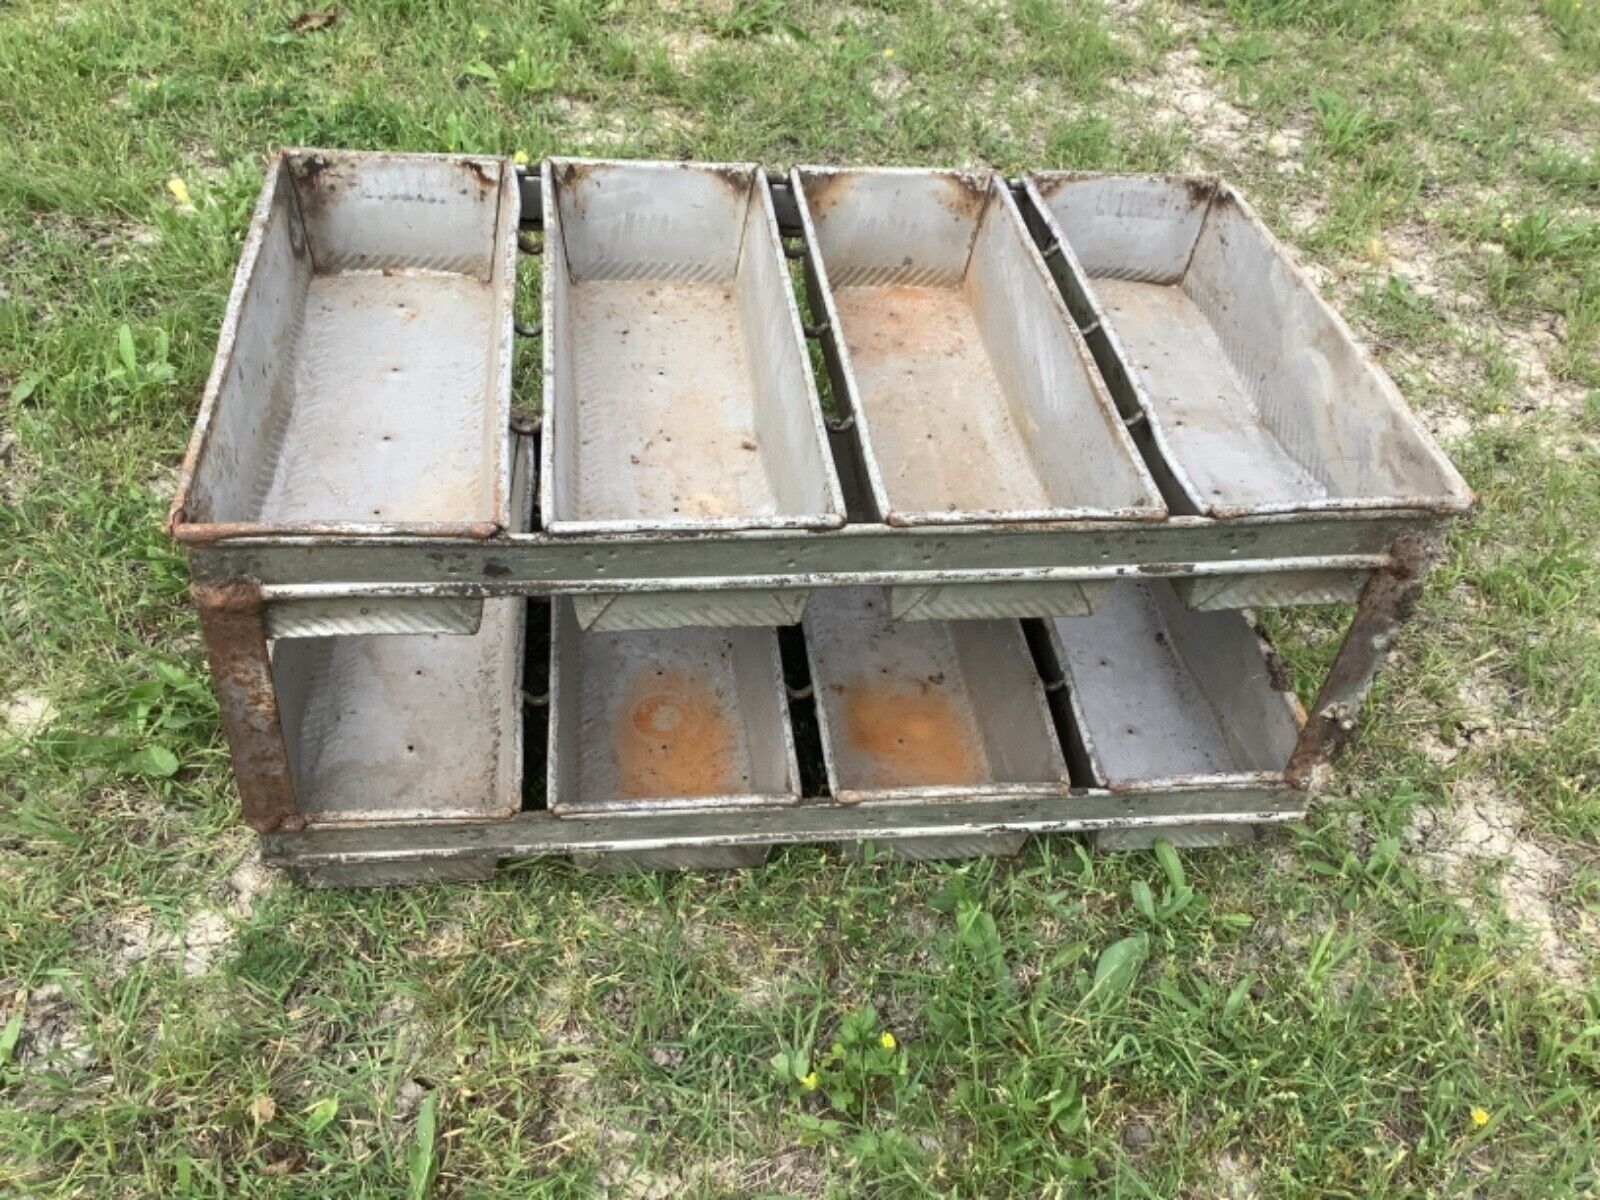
<point x="751" y="182"/>
<point x="233" y="626"/>
<point x="211" y="532"/>
<point x="177" y="524"/>
<point x="226" y="337"/>
<point x="1387" y="603"/>
<point x="534" y="833"/>
<point x="602" y="584"/>
<point x="809" y="559"/>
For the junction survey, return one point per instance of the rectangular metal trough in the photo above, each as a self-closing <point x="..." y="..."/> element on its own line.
<point x="678" y="393"/>
<point x="408" y="727"/>
<point x="1257" y="397"/>
<point x="413" y="726"/>
<point x="928" y="709"/>
<point x="652" y="720"/>
<point x="362" y="382"/>
<point x="974" y="396"/>
<point x="1165" y="696"/>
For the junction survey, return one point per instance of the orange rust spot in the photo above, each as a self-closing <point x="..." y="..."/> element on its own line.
<point x="825" y="192"/>
<point x="913" y="735"/>
<point x="965" y="193"/>
<point x="905" y="320"/>
<point x="676" y="738"/>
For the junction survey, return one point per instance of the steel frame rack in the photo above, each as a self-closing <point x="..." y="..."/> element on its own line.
<point x="249" y="587"/>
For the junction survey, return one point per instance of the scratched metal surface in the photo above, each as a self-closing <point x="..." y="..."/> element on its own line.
<point x="657" y="720"/>
<point x="1258" y="397"/>
<point x="362" y="379"/>
<point x="410" y="727"/>
<point x="1160" y="693"/>
<point x="678" y="393"/>
<point x="926" y="709"/>
<point x="974" y="395"/>
<point x="405" y="726"/>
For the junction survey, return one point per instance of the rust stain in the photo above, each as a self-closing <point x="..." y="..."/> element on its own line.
<point x="1203" y="190"/>
<point x="825" y="192"/>
<point x="485" y="177"/>
<point x="965" y="193"/>
<point x="736" y="180"/>
<point x="904" y="319"/>
<point x="912" y="733"/>
<point x="676" y="738"/>
<point x="233" y="626"/>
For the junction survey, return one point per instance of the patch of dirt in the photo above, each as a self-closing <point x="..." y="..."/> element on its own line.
<point x="51" y="1032"/>
<point x="795" y="1172"/>
<point x="684" y="46"/>
<point x="1532" y="348"/>
<point x="1182" y="93"/>
<point x="1236" y="1177"/>
<point x="131" y="939"/>
<point x="247" y="881"/>
<point x="26" y="714"/>
<point x="593" y="127"/>
<point x="1484" y="830"/>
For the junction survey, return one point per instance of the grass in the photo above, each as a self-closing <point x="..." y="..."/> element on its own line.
<point x="1331" y="1016"/>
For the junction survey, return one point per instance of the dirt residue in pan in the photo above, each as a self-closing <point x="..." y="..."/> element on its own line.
<point x="825" y="191"/>
<point x="482" y="172"/>
<point x="913" y="734"/>
<point x="676" y="737"/>
<point x="965" y="193"/>
<point x="737" y="180"/>
<point x="1203" y="190"/>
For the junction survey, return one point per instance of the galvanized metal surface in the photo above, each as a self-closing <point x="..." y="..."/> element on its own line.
<point x="974" y="395"/>
<point x="606" y="611"/>
<point x="362" y="378"/>
<point x="415" y="726"/>
<point x="1258" y="397"/>
<point x="666" y="719"/>
<point x="1160" y="693"/>
<point x="407" y="727"/>
<point x="677" y="389"/>
<point x="926" y="710"/>
<point x="340" y="615"/>
<point x="864" y="554"/>
<point x="1182" y="837"/>
<point x="1279" y="589"/>
<point x="534" y="833"/>
<point x="685" y="858"/>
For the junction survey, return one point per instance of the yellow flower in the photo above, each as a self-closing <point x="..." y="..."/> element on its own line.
<point x="888" y="51"/>
<point x="520" y="158"/>
<point x="1480" y="1117"/>
<point x="887" y="1040"/>
<point x="179" y="190"/>
<point x="809" y="1082"/>
<point x="483" y="34"/>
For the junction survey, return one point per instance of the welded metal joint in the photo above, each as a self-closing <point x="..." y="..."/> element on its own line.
<point x="1387" y="603"/>
<point x="233" y="626"/>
